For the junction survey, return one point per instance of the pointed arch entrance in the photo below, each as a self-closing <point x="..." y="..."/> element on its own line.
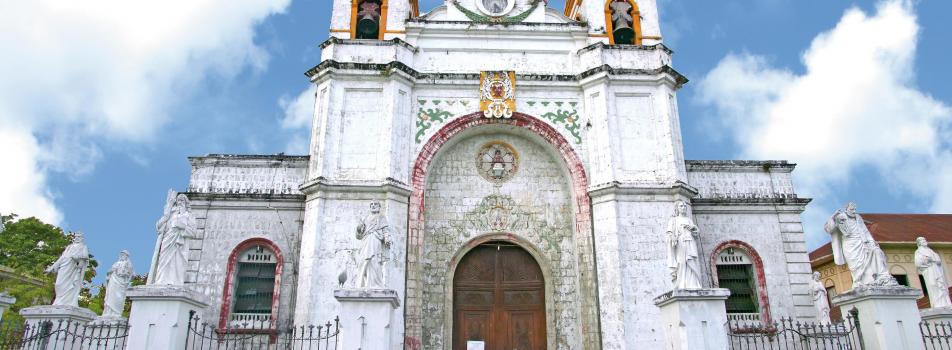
<point x="499" y="298"/>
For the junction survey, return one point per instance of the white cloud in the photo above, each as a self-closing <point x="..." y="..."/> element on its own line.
<point x="298" y="112"/>
<point x="80" y="73"/>
<point x="854" y="107"/>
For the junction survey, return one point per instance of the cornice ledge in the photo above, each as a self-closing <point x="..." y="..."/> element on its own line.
<point x="627" y="188"/>
<point x="388" y="185"/>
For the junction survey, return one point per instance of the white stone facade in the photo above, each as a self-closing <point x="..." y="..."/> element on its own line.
<point x="601" y="165"/>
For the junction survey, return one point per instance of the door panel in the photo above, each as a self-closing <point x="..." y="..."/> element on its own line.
<point x="498" y="297"/>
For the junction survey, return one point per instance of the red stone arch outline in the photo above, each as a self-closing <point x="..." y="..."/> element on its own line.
<point x="415" y="225"/>
<point x="758" y="265"/>
<point x="229" y="288"/>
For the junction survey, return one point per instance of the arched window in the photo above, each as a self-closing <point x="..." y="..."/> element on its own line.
<point x="623" y="22"/>
<point x="252" y="286"/>
<point x="737" y="267"/>
<point x="368" y="19"/>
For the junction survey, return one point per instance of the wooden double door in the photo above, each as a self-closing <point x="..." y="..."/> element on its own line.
<point x="499" y="299"/>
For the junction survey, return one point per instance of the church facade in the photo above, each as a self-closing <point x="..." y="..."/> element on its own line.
<point x="526" y="160"/>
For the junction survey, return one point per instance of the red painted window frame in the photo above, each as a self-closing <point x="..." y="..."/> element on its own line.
<point x="758" y="265"/>
<point x="229" y="288"/>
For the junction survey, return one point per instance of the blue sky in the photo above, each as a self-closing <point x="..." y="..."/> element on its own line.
<point x="101" y="105"/>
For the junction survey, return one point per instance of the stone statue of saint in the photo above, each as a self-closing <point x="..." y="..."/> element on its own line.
<point x="820" y="299"/>
<point x="933" y="272"/>
<point x="854" y="246"/>
<point x="69" y="269"/>
<point x="373" y="232"/>
<point x="175" y="226"/>
<point x="683" y="257"/>
<point x="118" y="280"/>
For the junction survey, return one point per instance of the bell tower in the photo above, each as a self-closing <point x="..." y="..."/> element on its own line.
<point x="371" y="19"/>
<point x="633" y="22"/>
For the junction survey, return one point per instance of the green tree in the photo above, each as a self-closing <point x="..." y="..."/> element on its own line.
<point x="28" y="246"/>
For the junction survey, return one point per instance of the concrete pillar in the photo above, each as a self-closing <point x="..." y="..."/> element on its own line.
<point x="366" y="318"/>
<point x="888" y="316"/>
<point x="937" y="314"/>
<point x="160" y="316"/>
<point x="694" y="319"/>
<point x="6" y="301"/>
<point x="64" y="323"/>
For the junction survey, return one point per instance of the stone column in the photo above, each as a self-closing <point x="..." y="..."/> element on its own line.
<point x="34" y="315"/>
<point x="888" y="316"/>
<point x="694" y="319"/>
<point x="160" y="316"/>
<point x="366" y="318"/>
<point x="6" y="301"/>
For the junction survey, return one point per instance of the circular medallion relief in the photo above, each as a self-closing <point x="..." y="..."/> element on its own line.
<point x="497" y="161"/>
<point x="495" y="8"/>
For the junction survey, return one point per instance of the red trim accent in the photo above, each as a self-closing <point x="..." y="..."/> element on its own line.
<point x="583" y="227"/>
<point x="229" y="288"/>
<point x="758" y="269"/>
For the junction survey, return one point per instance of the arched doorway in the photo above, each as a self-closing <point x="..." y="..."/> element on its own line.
<point x="499" y="299"/>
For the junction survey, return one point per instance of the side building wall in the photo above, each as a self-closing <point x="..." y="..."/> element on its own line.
<point x="753" y="205"/>
<point x="235" y="199"/>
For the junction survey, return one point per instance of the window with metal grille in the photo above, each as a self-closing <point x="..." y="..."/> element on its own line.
<point x="739" y="279"/>
<point x="254" y="282"/>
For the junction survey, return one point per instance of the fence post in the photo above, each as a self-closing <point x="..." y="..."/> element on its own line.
<point x="694" y="319"/>
<point x="888" y="316"/>
<point x="160" y="316"/>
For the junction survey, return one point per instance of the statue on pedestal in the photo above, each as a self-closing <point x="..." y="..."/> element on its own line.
<point x="933" y="272"/>
<point x="118" y="280"/>
<point x="174" y="228"/>
<point x="683" y="257"/>
<point x="854" y="246"/>
<point x="70" y="269"/>
<point x="820" y="299"/>
<point x="373" y="232"/>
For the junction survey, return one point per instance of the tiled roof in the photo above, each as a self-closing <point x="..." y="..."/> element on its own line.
<point x="901" y="228"/>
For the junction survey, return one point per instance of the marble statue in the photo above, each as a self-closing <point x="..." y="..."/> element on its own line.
<point x="854" y="246"/>
<point x="118" y="280"/>
<point x="820" y="299"/>
<point x="175" y="227"/>
<point x="683" y="257"/>
<point x="70" y="269"/>
<point x="933" y="272"/>
<point x="373" y="232"/>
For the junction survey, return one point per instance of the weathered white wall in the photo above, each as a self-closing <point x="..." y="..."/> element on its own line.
<point x="236" y="198"/>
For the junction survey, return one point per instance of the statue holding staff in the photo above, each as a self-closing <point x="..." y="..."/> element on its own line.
<point x="70" y="269"/>
<point x="174" y="228"/>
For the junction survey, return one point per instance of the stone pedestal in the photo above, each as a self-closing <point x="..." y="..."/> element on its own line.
<point x="55" y="313"/>
<point x="6" y="301"/>
<point x="366" y="317"/>
<point x="694" y="319"/>
<point x="160" y="316"/>
<point x="888" y="316"/>
<point x="937" y="315"/>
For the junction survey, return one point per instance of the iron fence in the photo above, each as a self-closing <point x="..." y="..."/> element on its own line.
<point x="797" y="335"/>
<point x="936" y="335"/>
<point x="63" y="335"/>
<point x="257" y="336"/>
